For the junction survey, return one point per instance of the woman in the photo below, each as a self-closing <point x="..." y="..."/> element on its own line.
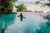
<point x="21" y="16"/>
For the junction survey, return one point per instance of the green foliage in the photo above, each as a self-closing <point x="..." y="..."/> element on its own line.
<point x="9" y="9"/>
<point x="49" y="0"/>
<point x="21" y="7"/>
<point x="3" y="9"/>
<point x="46" y="4"/>
<point x="42" y="6"/>
<point x="7" y="4"/>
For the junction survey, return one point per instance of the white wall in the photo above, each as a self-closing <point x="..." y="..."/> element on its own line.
<point x="14" y="9"/>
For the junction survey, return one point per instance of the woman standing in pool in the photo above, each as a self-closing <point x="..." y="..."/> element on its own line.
<point x="21" y="16"/>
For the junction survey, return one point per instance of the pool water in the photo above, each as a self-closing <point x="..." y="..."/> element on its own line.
<point x="33" y="23"/>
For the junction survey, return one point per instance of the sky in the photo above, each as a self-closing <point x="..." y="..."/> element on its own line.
<point x="27" y="0"/>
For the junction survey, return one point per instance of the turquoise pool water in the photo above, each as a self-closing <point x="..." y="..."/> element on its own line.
<point x="33" y="23"/>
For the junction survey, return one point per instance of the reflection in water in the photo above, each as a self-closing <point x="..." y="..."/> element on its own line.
<point x="44" y="27"/>
<point x="5" y="21"/>
<point x="21" y="19"/>
<point x="46" y="17"/>
<point x="2" y="31"/>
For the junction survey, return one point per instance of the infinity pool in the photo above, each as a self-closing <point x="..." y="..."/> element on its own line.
<point x="33" y="23"/>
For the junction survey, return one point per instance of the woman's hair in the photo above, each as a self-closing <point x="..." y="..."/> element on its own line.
<point x="20" y="13"/>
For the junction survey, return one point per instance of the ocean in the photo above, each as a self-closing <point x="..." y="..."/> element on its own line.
<point x="33" y="6"/>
